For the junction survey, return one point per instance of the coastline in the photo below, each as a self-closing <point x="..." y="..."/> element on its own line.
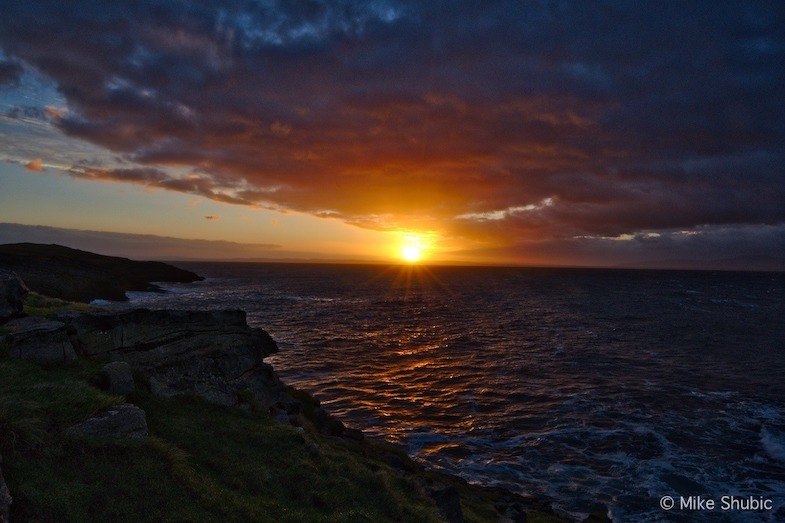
<point x="214" y="358"/>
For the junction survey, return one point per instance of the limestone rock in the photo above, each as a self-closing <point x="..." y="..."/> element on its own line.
<point x="12" y="294"/>
<point x="39" y="340"/>
<point x="121" y="421"/>
<point x="118" y="377"/>
<point x="5" y="500"/>
<point x="213" y="354"/>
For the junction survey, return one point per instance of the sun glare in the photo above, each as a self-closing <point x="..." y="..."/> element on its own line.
<point x="412" y="248"/>
<point x="411" y="253"/>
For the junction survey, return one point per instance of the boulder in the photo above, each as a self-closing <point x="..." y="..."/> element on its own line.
<point x="213" y="354"/>
<point x="38" y="340"/>
<point x="12" y="295"/>
<point x="118" y="377"/>
<point x="5" y="500"/>
<point x="124" y="421"/>
<point x="448" y="501"/>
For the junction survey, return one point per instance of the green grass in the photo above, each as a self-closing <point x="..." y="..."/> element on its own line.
<point x="202" y="462"/>
<point x="39" y="305"/>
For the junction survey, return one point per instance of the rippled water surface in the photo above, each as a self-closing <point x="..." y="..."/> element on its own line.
<point x="585" y="387"/>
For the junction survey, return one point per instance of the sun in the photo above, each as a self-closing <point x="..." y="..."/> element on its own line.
<point x="412" y="248"/>
<point x="412" y="253"/>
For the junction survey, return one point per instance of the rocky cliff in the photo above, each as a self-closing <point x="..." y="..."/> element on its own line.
<point x="213" y="354"/>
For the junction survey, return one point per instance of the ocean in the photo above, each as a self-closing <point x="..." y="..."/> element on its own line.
<point x="591" y="389"/>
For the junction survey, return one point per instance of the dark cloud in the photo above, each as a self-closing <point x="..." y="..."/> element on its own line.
<point x="10" y="72"/>
<point x="462" y="118"/>
<point x="730" y="248"/>
<point x="200" y="185"/>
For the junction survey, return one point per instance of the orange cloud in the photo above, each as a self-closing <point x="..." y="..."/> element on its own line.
<point x="35" y="165"/>
<point x="54" y="112"/>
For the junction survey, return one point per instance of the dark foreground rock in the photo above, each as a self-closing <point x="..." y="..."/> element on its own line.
<point x="118" y="377"/>
<point x="124" y="421"/>
<point x="5" y="500"/>
<point x="74" y="275"/>
<point x="12" y="294"/>
<point x="213" y="354"/>
<point x="38" y="340"/>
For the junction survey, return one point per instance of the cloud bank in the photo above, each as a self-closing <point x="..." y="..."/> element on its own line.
<point x="627" y="118"/>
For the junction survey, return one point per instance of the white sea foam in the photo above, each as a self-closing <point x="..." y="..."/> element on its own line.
<point x="100" y="303"/>
<point x="773" y="444"/>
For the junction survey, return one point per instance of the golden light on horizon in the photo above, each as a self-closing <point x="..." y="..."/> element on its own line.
<point x="411" y="253"/>
<point x="412" y="248"/>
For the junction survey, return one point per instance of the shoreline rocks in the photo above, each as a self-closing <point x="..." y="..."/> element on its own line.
<point x="213" y="354"/>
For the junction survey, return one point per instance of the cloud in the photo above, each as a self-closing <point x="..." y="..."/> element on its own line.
<point x="402" y="114"/>
<point x="756" y="247"/>
<point x="35" y="165"/>
<point x="202" y="185"/>
<point x="10" y="72"/>
<point x="55" y="113"/>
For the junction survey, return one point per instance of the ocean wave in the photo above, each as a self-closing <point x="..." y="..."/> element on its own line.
<point x="773" y="443"/>
<point x="554" y="385"/>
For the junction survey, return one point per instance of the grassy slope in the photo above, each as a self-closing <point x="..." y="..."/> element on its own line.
<point x="38" y="305"/>
<point x="202" y="462"/>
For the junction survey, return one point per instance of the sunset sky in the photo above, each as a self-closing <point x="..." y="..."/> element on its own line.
<point x="570" y="133"/>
